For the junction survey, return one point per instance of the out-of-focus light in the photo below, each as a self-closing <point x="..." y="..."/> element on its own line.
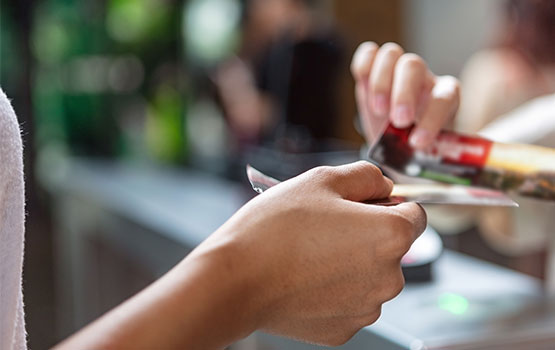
<point x="125" y="74"/>
<point x="210" y="28"/>
<point x="86" y="74"/>
<point x="98" y="74"/>
<point x="453" y="303"/>
<point x="49" y="41"/>
<point x="127" y="20"/>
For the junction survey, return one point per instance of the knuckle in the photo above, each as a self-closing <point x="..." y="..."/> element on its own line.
<point x="391" y="286"/>
<point x="369" y="169"/>
<point x="412" y="61"/>
<point x="370" y="318"/>
<point x="360" y="64"/>
<point x="401" y="236"/>
<point x="367" y="46"/>
<point x="400" y="245"/>
<point x="376" y="315"/>
<point x="340" y="337"/>
<point x="402" y="225"/>
<point x="397" y="285"/>
<point x="391" y="49"/>
<point x="322" y="173"/>
<point x="379" y="84"/>
<point x="367" y="166"/>
<point x="420" y="220"/>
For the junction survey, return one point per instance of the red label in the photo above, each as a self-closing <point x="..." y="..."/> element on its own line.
<point x="461" y="149"/>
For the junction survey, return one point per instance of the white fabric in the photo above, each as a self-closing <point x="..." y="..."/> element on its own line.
<point x="12" y="322"/>
<point x="533" y="122"/>
<point x="533" y="222"/>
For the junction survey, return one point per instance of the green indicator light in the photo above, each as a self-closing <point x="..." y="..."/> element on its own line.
<point x="453" y="303"/>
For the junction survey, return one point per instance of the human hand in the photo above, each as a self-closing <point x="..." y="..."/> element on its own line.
<point x="320" y="262"/>
<point x="394" y="85"/>
<point x="305" y="259"/>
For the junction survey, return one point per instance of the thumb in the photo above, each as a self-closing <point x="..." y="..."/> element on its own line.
<point x="360" y="181"/>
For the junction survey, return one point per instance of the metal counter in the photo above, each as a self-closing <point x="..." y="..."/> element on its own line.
<point x="149" y="218"/>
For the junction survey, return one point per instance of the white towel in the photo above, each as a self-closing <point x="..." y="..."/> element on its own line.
<point x="12" y="216"/>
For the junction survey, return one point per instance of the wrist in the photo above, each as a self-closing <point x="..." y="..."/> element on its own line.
<point x="227" y="288"/>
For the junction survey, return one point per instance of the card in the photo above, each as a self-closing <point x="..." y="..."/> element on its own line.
<point x="525" y="170"/>
<point x="417" y="193"/>
<point x="259" y="181"/>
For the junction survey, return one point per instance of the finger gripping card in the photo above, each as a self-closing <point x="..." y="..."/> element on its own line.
<point x="469" y="160"/>
<point x="417" y="193"/>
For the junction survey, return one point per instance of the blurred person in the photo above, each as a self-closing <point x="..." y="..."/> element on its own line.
<point x="306" y="259"/>
<point x="283" y="90"/>
<point x="495" y="81"/>
<point x="520" y="67"/>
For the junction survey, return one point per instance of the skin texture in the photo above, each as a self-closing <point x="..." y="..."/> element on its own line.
<point x="398" y="86"/>
<point x="306" y="259"/>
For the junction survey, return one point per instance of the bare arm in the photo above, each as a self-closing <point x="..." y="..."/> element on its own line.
<point x="305" y="259"/>
<point x="203" y="303"/>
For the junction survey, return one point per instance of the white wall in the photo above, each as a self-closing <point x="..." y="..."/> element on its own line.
<point x="446" y="32"/>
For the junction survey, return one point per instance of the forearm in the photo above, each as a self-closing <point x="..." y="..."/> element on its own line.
<point x="202" y="303"/>
<point x="305" y="259"/>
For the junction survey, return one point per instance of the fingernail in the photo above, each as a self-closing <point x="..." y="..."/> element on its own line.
<point x="380" y="105"/>
<point x="420" y="138"/>
<point x="402" y="116"/>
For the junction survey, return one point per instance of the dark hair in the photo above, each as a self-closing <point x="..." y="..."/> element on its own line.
<point x="532" y="29"/>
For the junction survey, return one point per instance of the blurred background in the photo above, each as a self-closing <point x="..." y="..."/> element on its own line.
<point x="139" y="116"/>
